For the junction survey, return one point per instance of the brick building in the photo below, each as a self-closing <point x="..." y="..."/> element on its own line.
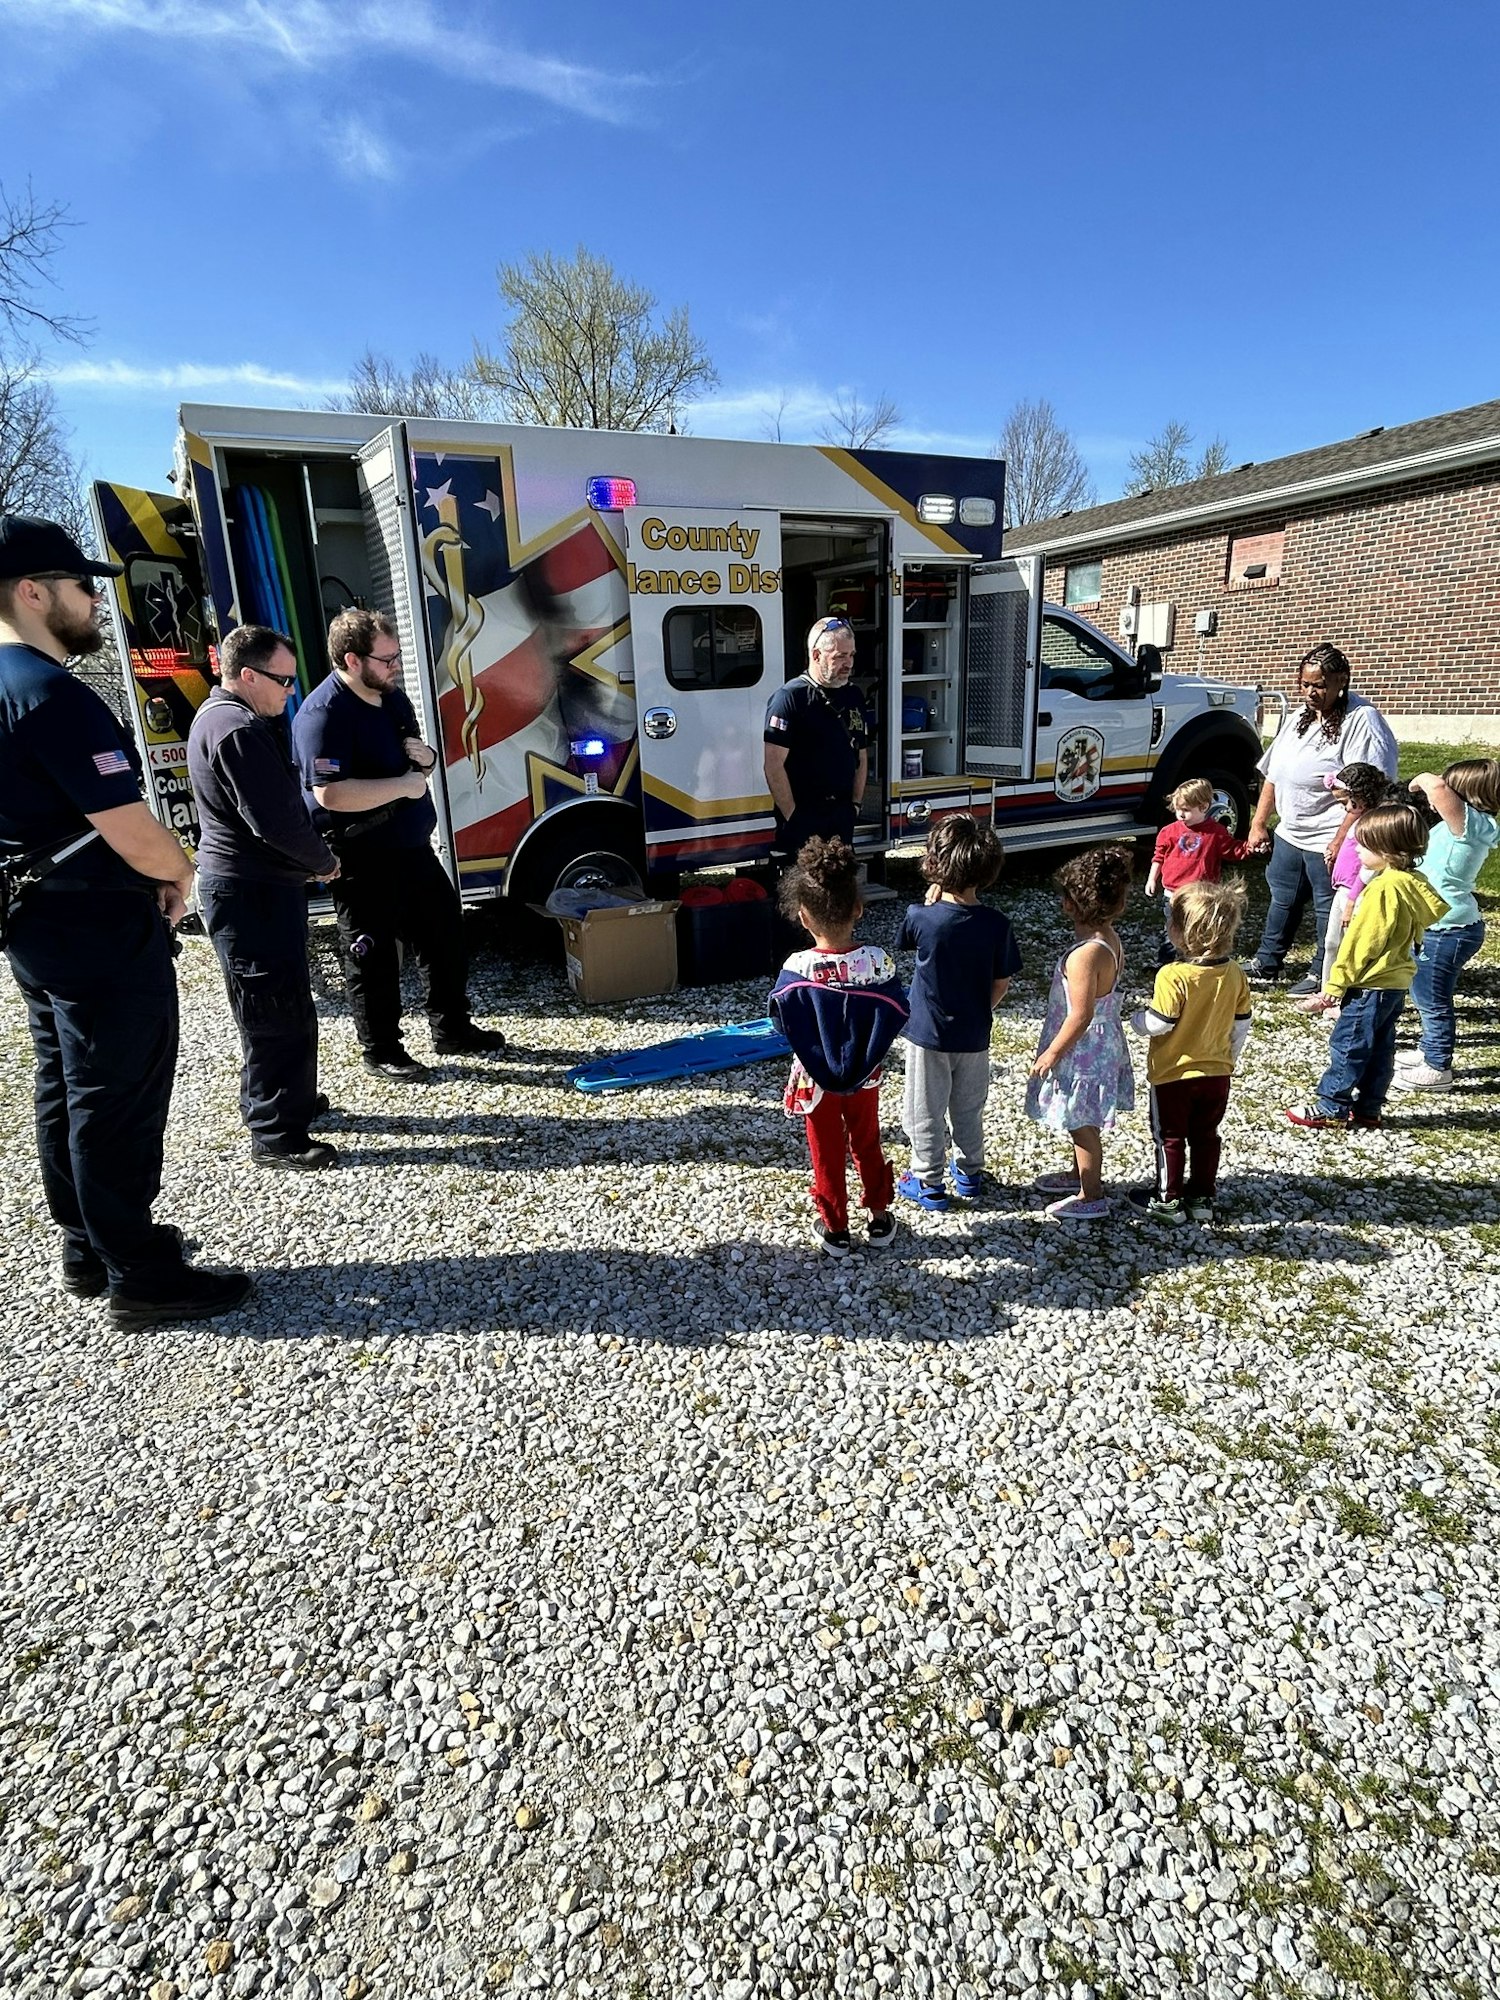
<point x="1388" y="544"/>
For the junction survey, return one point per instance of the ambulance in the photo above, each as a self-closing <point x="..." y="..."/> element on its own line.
<point x="591" y="623"/>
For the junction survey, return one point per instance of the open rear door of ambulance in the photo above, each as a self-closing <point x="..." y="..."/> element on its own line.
<point x="386" y="502"/>
<point x="162" y="632"/>
<point x="1004" y="644"/>
<point x="706" y="633"/>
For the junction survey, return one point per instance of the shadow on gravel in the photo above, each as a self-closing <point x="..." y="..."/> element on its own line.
<point x="1322" y="1201"/>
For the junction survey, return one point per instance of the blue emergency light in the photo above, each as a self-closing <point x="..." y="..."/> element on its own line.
<point x="588" y="746"/>
<point x="608" y="496"/>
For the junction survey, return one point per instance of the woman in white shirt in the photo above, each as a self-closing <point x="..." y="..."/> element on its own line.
<point x="1332" y="728"/>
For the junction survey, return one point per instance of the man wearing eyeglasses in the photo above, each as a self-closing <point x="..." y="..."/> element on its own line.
<point x="95" y="884"/>
<point x="817" y="743"/>
<point x="256" y="853"/>
<point x="365" y="768"/>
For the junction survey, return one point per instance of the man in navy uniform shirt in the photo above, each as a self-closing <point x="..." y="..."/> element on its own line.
<point x="365" y="768"/>
<point x="256" y="853"/>
<point x="817" y="743"/>
<point x="98" y="884"/>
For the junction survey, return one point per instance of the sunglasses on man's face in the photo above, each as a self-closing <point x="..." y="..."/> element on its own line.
<point x="281" y="680"/>
<point x="93" y="585"/>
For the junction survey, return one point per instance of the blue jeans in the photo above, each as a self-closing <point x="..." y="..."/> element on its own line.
<point x="1441" y="957"/>
<point x="1295" y="878"/>
<point x="1362" y="1054"/>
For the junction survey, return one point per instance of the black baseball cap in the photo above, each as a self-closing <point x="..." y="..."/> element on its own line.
<point x="32" y="547"/>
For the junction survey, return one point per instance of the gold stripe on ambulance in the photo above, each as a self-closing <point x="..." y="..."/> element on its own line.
<point x="706" y="809"/>
<point x="889" y="497"/>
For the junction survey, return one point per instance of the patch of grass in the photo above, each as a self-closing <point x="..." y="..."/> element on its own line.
<point x="1439" y="1523"/>
<point x="1169" y="1399"/>
<point x="1209" y="1543"/>
<point x="1072" y="1969"/>
<point x="1358" y="1517"/>
<point x="1365" y="1967"/>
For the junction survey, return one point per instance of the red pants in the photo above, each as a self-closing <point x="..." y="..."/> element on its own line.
<point x="841" y="1123"/>
<point x="1185" y="1120"/>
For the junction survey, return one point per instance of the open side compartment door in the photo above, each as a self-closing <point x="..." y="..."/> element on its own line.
<point x="1004" y="646"/>
<point x="385" y="498"/>
<point x="706" y="630"/>
<point x="162" y="632"/>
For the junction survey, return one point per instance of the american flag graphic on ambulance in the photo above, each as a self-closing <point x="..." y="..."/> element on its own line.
<point x="527" y="640"/>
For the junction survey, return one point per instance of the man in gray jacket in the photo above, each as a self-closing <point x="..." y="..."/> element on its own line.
<point x="257" y="852"/>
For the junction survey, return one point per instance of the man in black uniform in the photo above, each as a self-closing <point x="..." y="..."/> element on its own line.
<point x="256" y="852"/>
<point x="365" y="768"/>
<point x="817" y="743"/>
<point x="99" y="884"/>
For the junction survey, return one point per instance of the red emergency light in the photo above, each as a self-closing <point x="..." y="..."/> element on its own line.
<point x="608" y="496"/>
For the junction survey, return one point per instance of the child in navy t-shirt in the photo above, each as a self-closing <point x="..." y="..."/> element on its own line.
<point x="966" y="958"/>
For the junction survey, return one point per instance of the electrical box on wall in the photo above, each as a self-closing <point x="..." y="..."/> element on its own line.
<point x="1128" y="622"/>
<point x="1158" y="624"/>
<point x="1206" y="624"/>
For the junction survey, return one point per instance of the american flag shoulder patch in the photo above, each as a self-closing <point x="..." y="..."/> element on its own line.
<point x="325" y="767"/>
<point x="776" y="722"/>
<point x="111" y="763"/>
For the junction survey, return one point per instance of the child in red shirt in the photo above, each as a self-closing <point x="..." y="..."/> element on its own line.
<point x="1193" y="847"/>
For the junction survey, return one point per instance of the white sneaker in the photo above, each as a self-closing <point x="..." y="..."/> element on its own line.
<point x="1422" y="1076"/>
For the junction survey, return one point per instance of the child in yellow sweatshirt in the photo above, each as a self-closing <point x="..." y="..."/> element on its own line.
<point x="1373" y="971"/>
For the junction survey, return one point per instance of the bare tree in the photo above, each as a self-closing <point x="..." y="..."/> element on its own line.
<point x="586" y="347"/>
<point x="37" y="472"/>
<point x="429" y="388"/>
<point x="1044" y="469"/>
<point x="29" y="232"/>
<point x="771" y="429"/>
<point x="858" y="426"/>
<point x="1165" y="460"/>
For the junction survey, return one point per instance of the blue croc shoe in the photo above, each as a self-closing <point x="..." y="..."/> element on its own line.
<point x="967" y="1186"/>
<point x="924" y="1193"/>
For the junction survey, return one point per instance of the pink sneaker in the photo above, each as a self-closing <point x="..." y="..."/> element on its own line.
<point x="1073" y="1208"/>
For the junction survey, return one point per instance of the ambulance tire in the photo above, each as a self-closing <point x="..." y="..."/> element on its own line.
<point x="576" y="857"/>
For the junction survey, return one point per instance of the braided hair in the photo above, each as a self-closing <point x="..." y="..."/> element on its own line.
<point x="1329" y="660"/>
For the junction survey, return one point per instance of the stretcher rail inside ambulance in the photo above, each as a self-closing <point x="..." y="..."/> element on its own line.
<point x="592" y="622"/>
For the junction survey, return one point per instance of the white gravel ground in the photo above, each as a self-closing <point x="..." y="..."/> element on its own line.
<point x="561" y="1581"/>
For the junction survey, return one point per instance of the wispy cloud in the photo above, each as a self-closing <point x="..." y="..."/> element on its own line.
<point x="317" y="39"/>
<point x="184" y="377"/>
<point x="800" y="411"/>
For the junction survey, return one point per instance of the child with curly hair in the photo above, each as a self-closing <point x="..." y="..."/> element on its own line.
<point x="1082" y="1079"/>
<point x="840" y="1005"/>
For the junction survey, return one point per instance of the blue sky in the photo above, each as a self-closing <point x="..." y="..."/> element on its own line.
<point x="1276" y="223"/>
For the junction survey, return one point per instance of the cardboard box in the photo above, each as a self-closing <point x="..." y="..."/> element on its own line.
<point x="625" y="953"/>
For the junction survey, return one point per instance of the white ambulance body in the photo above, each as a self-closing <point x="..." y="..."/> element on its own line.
<point x="591" y="624"/>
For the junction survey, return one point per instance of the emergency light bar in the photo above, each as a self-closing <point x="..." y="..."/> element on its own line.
<point x="976" y="512"/>
<point x="937" y="510"/>
<point x="608" y="496"/>
<point x="588" y="746"/>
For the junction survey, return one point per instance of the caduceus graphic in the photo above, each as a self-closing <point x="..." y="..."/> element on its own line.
<point x="443" y="568"/>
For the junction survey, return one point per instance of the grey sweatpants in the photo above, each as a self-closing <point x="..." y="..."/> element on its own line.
<point x="945" y="1091"/>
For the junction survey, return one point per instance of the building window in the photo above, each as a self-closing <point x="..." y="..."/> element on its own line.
<point x="1081" y="583"/>
<point x="1255" y="560"/>
<point x="717" y="646"/>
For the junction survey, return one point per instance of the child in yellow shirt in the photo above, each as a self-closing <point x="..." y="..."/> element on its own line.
<point x="1373" y="971"/>
<point x="1197" y="1022"/>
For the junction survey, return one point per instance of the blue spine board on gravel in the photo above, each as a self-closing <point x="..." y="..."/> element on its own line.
<point x="691" y="1055"/>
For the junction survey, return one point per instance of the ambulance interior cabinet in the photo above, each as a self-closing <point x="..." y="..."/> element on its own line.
<point x="930" y="673"/>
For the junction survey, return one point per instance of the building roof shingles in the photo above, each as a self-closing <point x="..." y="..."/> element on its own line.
<point x="1236" y="492"/>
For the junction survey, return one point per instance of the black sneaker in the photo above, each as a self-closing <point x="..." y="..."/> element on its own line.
<point x="1300" y="989"/>
<point x="187" y="1295"/>
<point x="471" y="1041"/>
<point x="882" y="1231"/>
<point x="1146" y="1201"/>
<point x="833" y="1242"/>
<point x="320" y="1109"/>
<point x="400" y="1067"/>
<point x="1262" y="975"/>
<point x="304" y="1155"/>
